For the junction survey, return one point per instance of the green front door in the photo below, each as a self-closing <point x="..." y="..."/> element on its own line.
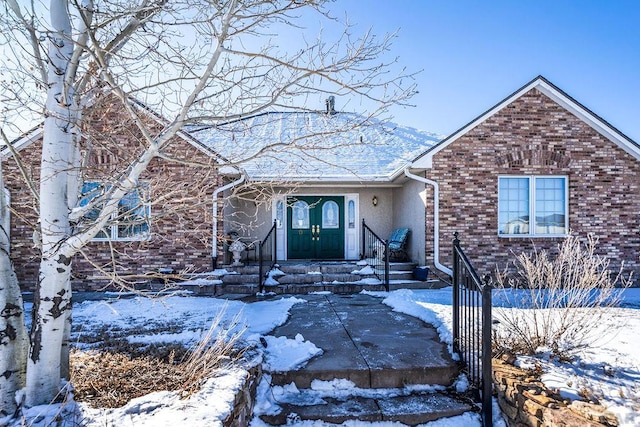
<point x="315" y="227"/>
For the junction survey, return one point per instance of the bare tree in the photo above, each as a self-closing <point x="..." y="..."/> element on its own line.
<point x="191" y="61"/>
<point x="13" y="334"/>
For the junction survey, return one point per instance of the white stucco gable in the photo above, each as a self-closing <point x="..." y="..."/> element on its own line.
<point x="425" y="160"/>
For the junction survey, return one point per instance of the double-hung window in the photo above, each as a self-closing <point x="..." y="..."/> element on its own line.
<point x="130" y="222"/>
<point x="532" y="206"/>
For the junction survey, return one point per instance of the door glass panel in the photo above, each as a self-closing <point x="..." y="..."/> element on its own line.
<point x="300" y="215"/>
<point x="352" y="214"/>
<point x="279" y="213"/>
<point x="330" y="215"/>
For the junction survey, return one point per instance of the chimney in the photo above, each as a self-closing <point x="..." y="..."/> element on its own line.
<point x="331" y="104"/>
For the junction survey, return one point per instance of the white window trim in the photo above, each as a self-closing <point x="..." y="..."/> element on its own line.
<point x="114" y="237"/>
<point x="532" y="207"/>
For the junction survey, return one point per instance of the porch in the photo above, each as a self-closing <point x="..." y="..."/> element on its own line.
<point x="322" y="223"/>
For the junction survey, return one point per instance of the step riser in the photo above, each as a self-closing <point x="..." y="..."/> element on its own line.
<point x="342" y="268"/>
<point x="409" y="410"/>
<point x="312" y="278"/>
<point x="248" y="288"/>
<point x="381" y="378"/>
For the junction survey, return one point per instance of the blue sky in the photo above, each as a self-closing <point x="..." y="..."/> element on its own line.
<point x="473" y="54"/>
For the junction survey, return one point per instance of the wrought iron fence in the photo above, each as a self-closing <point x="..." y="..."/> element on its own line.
<point x="267" y="249"/>
<point x="472" y="326"/>
<point x="376" y="252"/>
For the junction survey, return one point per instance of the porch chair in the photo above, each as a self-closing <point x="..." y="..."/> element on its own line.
<point x="398" y="244"/>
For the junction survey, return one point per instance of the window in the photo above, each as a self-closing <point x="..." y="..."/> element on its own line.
<point x="300" y="215"/>
<point x="330" y="215"/>
<point x="279" y="213"/>
<point x="131" y="222"/>
<point x="352" y="214"/>
<point x="532" y="206"/>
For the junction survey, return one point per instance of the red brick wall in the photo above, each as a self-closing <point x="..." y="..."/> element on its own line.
<point x="535" y="136"/>
<point x="180" y="195"/>
<point x="24" y="216"/>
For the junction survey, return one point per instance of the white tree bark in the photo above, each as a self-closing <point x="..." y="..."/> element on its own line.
<point x="52" y="300"/>
<point x="13" y="334"/>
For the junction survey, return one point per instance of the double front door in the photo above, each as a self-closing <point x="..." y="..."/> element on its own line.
<point x="315" y="227"/>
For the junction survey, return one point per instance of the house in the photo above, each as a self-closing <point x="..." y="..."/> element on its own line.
<point x="523" y="174"/>
<point x="520" y="176"/>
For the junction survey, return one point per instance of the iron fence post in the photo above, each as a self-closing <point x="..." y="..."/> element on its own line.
<point x="386" y="265"/>
<point x="456" y="295"/>
<point x="275" y="242"/>
<point x="362" y="254"/>
<point x="487" y="356"/>
<point x="260" y="282"/>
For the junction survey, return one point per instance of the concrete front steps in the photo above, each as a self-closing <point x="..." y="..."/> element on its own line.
<point x="376" y="365"/>
<point x="410" y="410"/>
<point x="307" y="277"/>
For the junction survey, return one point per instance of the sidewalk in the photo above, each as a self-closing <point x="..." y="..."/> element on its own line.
<point x="365" y="341"/>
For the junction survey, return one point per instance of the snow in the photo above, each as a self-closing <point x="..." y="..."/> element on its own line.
<point x="610" y="370"/>
<point x="201" y="282"/>
<point x="213" y="402"/>
<point x="365" y="271"/>
<point x="309" y="145"/>
<point x="285" y="354"/>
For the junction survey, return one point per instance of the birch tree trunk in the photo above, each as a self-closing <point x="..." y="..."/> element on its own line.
<point x="13" y="334"/>
<point x="52" y="300"/>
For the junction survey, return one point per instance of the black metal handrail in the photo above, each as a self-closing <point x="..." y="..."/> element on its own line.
<point x="269" y="242"/>
<point x="472" y="326"/>
<point x="376" y="252"/>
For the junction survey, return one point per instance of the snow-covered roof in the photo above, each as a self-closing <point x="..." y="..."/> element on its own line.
<point x="315" y="146"/>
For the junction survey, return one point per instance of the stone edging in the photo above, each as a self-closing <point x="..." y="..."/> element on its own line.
<point x="242" y="412"/>
<point x="525" y="401"/>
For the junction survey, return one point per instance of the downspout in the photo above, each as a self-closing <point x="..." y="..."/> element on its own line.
<point x="436" y="219"/>
<point x="214" y="246"/>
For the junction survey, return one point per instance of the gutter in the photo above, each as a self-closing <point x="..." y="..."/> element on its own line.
<point x="214" y="246"/>
<point x="436" y="219"/>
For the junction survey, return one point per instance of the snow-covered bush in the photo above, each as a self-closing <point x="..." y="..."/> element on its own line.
<point x="557" y="301"/>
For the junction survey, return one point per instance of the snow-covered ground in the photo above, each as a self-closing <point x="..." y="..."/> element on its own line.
<point x="611" y="370"/>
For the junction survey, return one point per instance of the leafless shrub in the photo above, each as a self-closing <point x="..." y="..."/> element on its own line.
<point x="216" y="348"/>
<point x="559" y="302"/>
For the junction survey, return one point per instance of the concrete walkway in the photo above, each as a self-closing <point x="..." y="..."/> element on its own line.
<point x="364" y="341"/>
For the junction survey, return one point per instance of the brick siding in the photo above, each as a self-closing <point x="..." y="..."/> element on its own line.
<point x="180" y="196"/>
<point x="535" y="136"/>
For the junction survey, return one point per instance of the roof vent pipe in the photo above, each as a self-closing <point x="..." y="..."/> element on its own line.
<point x="331" y="104"/>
